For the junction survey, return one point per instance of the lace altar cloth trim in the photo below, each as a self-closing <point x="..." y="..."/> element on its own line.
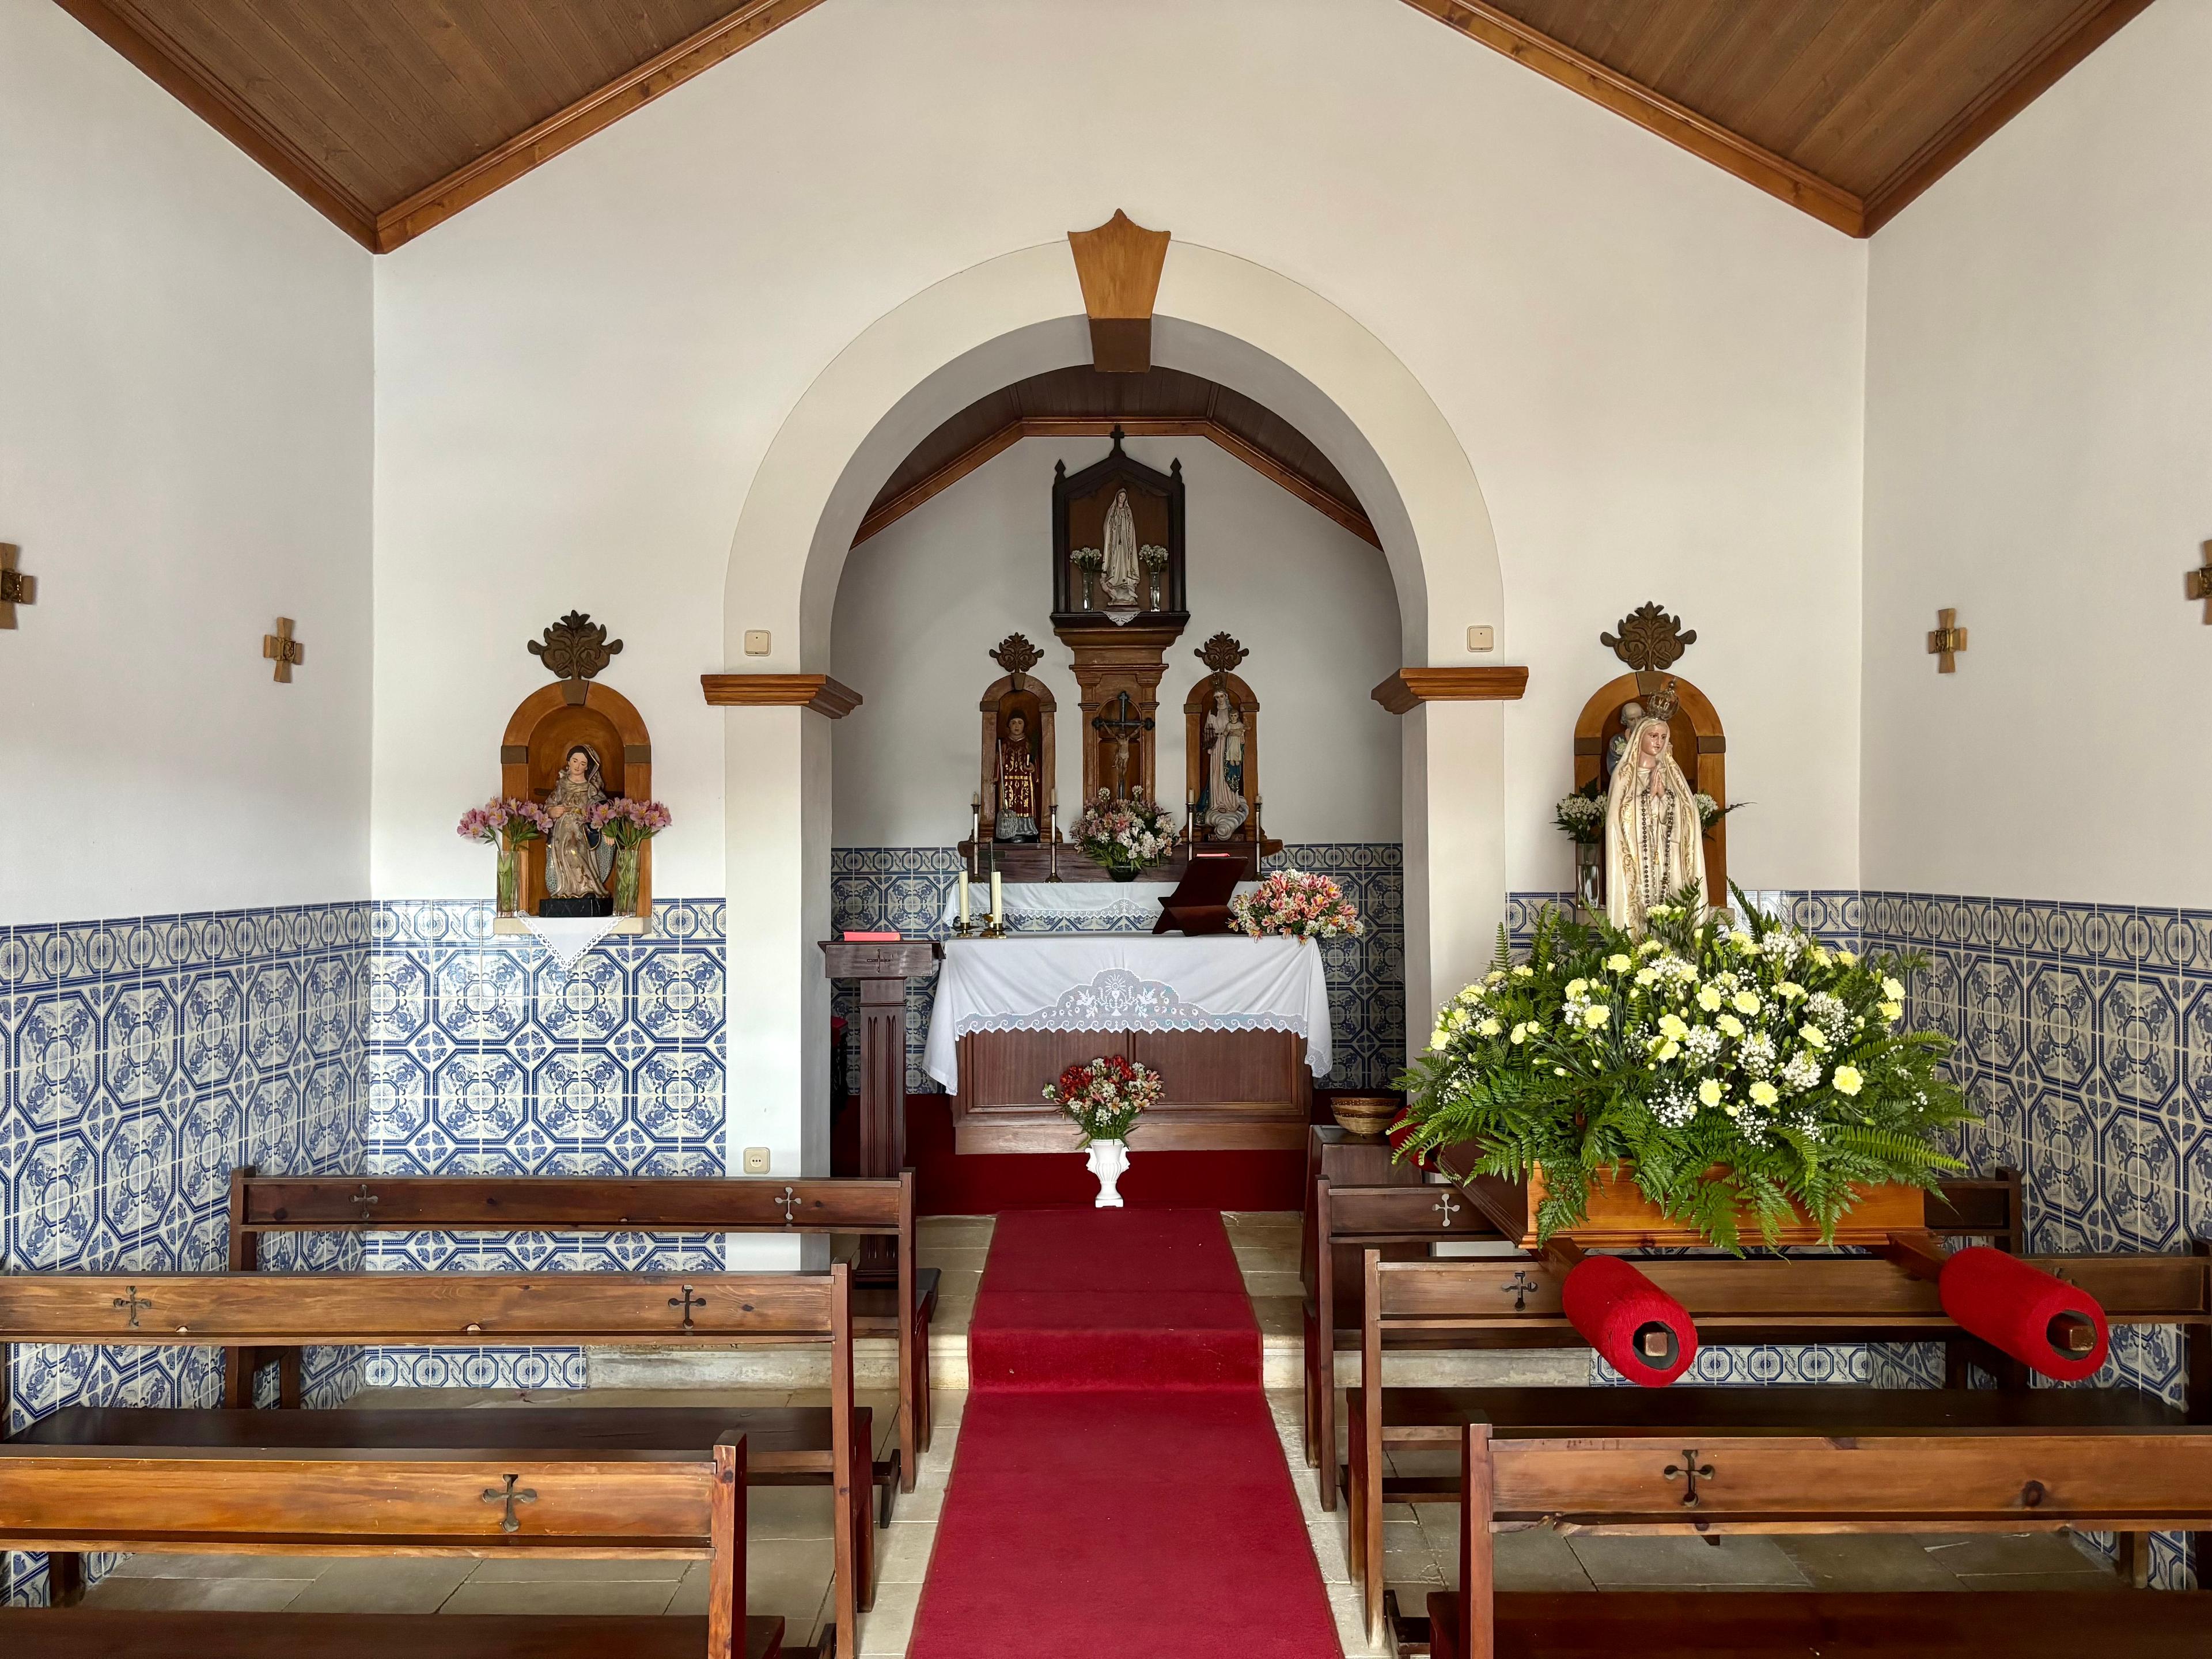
<point x="1101" y="982"/>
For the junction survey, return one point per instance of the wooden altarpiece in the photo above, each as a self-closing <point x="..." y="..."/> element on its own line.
<point x="1650" y="642"/>
<point x="1222" y="653"/>
<point x="1119" y="651"/>
<point x="553" y="719"/>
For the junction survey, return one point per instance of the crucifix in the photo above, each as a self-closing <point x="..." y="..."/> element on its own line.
<point x="690" y="1301"/>
<point x="15" y="587"/>
<point x="284" y="650"/>
<point x="1121" y="727"/>
<point x="1946" y="641"/>
<point x="2196" y="584"/>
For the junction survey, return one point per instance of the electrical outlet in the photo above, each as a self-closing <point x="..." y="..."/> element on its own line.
<point x="757" y="642"/>
<point x="755" y="1160"/>
<point x="1482" y="639"/>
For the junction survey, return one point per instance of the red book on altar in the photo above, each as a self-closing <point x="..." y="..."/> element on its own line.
<point x="853" y="938"/>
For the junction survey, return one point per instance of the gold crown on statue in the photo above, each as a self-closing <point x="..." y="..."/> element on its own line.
<point x="1659" y="705"/>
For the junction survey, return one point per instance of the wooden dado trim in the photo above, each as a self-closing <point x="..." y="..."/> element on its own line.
<point x="1409" y="688"/>
<point x="816" y="691"/>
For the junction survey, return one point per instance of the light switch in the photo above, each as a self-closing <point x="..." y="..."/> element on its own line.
<point x="1482" y="639"/>
<point x="756" y="643"/>
<point x="755" y="1160"/>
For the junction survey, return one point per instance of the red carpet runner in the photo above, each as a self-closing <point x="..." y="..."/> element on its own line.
<point x="1119" y="1489"/>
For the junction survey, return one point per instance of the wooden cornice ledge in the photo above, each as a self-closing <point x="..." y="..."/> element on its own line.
<point x="816" y="691"/>
<point x="1409" y="688"/>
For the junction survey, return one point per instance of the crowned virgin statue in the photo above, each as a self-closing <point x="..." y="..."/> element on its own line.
<point x="1654" y="836"/>
<point x="1121" y="570"/>
<point x="572" y="849"/>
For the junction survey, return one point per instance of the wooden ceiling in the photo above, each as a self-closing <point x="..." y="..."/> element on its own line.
<point x="1083" y="402"/>
<point x="391" y="116"/>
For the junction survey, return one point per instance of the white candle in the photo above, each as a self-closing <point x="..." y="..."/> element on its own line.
<point x="998" y="919"/>
<point x="964" y="898"/>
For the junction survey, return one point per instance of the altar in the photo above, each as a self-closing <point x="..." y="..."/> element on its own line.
<point x="1238" y="1028"/>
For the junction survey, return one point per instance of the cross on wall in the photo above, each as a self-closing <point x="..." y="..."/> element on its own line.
<point x="284" y="650"/>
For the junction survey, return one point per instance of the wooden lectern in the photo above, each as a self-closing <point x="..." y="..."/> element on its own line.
<point x="883" y="967"/>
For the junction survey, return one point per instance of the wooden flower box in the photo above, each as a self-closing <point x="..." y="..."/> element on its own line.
<point x="1621" y="1218"/>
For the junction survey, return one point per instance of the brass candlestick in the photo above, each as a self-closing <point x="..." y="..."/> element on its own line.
<point x="1054" y="826"/>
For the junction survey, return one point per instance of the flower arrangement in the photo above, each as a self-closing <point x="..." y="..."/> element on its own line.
<point x="1088" y="559"/>
<point x="1155" y="557"/>
<point x="1710" y="812"/>
<point x="1581" y="816"/>
<point x="1725" y="1069"/>
<point x="1106" y="1095"/>
<point x="1125" y="835"/>
<point x="506" y="824"/>
<point x="628" y="823"/>
<point x="1297" y="905"/>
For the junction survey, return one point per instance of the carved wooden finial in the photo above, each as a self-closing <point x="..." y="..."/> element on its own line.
<point x="284" y="650"/>
<point x="15" y="587"/>
<point x="576" y="648"/>
<point x="1221" y="653"/>
<point x="1017" y="656"/>
<point x="1650" y="640"/>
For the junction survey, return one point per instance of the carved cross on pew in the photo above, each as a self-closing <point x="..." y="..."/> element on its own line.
<point x="789" y="1199"/>
<point x="507" y="1495"/>
<point x="284" y="650"/>
<point x="1521" y="1284"/>
<point x="1446" y="1208"/>
<point x="1690" y="1471"/>
<point x="687" y="1302"/>
<point x="136" y="1302"/>
<point x="364" y="1201"/>
<point x="1125" y="724"/>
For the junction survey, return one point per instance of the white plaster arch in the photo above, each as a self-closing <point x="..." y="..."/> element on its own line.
<point x="1019" y="314"/>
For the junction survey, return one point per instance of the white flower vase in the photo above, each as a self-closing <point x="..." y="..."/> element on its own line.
<point x="1109" y="1160"/>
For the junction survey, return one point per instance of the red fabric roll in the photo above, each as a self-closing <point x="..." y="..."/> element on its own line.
<point x="1609" y="1302"/>
<point x="2010" y="1305"/>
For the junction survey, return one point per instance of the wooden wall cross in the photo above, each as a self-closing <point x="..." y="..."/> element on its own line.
<point x="15" y="587"/>
<point x="1946" y="640"/>
<point x="2196" y="584"/>
<point x="284" y="650"/>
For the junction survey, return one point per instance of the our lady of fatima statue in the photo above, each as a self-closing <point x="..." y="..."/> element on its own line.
<point x="1121" y="570"/>
<point x="1653" y="837"/>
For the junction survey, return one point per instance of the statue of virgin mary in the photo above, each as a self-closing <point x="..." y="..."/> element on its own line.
<point x="1120" y="571"/>
<point x="1653" y="837"/>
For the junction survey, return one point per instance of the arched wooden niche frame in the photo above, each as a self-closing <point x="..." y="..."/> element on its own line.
<point x="539" y="734"/>
<point x="1195" y="709"/>
<point x="1010" y="693"/>
<point x="1700" y="750"/>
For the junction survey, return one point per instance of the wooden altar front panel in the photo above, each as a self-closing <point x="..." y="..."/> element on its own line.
<point x="1226" y="1090"/>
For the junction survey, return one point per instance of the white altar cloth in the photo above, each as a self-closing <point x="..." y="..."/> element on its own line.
<point x="1127" y="981"/>
<point x="1067" y="903"/>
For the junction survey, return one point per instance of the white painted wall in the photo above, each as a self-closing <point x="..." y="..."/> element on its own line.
<point x="2039" y="393"/>
<point x="922" y="603"/>
<point x="1655" y="370"/>
<point x="186" y="383"/>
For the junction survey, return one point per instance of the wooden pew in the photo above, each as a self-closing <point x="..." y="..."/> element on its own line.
<point x="793" y="1444"/>
<point x="1823" y="1299"/>
<point x="1404" y="1220"/>
<point x="1892" y="1461"/>
<point x="263" y="1204"/>
<point x="364" y="1498"/>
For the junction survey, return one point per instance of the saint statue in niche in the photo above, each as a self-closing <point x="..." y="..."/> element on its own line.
<point x="1018" y="784"/>
<point x="576" y="857"/>
<point x="1122" y="570"/>
<point x="1221" y="805"/>
<point x="1654" y="838"/>
<point x="1630" y="714"/>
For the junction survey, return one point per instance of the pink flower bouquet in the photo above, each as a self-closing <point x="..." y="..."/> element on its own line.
<point x="626" y="822"/>
<point x="1296" y="905"/>
<point x="1125" y="835"/>
<point x="506" y="823"/>
<point x="1106" y="1095"/>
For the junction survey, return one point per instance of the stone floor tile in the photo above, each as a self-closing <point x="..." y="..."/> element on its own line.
<point x="903" y="1551"/>
<point x="1538" y="1558"/>
<point x="1684" y="1563"/>
<point x="2094" y="1578"/>
<point x="539" y="1569"/>
<point x="2012" y="1553"/>
<point x="263" y="1594"/>
<point x="617" y="1597"/>
<point x="1866" y="1561"/>
<point x="1273" y="1282"/>
<point x="885" y="1628"/>
<point x="1352" y="1625"/>
<point x="155" y="1564"/>
<point x="357" y="1584"/>
<point x="789" y="1512"/>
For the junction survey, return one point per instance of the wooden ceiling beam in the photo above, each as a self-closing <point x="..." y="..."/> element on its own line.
<point x="465" y="185"/>
<point x="151" y="49"/>
<point x="2096" y="23"/>
<point x="1345" y="514"/>
<point x="1677" y="122"/>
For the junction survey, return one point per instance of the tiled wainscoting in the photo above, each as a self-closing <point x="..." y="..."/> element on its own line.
<point x="485" y="1056"/>
<point x="144" y="1058"/>
<point x="903" y="890"/>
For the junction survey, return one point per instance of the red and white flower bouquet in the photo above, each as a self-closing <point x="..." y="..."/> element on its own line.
<point x="1106" y="1095"/>
<point x="1296" y="905"/>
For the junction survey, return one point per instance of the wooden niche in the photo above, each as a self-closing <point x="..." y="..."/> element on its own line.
<point x="1118" y="625"/>
<point x="1017" y="696"/>
<point x="554" y="721"/>
<point x="1223" y="692"/>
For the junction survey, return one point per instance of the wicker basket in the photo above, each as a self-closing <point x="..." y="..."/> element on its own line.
<point x="1368" y="1115"/>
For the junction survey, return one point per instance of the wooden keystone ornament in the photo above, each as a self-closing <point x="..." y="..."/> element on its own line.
<point x="15" y="587"/>
<point x="576" y="648"/>
<point x="1650" y="640"/>
<point x="1017" y="656"/>
<point x="284" y="650"/>
<point x="1946" y="640"/>
<point x="1221" y="653"/>
<point x="2196" y="584"/>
